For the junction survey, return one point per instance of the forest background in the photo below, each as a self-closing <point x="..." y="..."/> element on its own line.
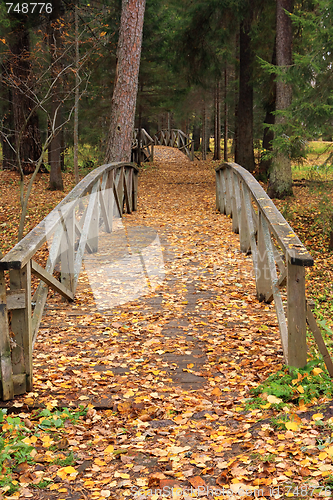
<point x="209" y="68"/>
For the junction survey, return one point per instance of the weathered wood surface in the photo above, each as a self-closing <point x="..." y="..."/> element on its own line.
<point x="71" y="229"/>
<point x="279" y="257"/>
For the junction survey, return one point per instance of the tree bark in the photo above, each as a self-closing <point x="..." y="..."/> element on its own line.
<point x="268" y="136"/>
<point x="27" y="136"/>
<point x="126" y="85"/>
<point x="244" y="154"/>
<point x="55" y="42"/>
<point x="280" y="180"/>
<point x="226" y="124"/>
<point x="204" y="131"/>
<point x="217" y="123"/>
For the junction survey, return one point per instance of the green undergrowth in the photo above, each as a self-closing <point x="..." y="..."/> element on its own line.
<point x="19" y="435"/>
<point x="294" y="386"/>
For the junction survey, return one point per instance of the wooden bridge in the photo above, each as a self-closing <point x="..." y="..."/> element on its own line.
<point x="143" y="143"/>
<point x="73" y="229"/>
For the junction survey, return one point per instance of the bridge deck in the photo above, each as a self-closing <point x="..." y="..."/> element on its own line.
<point x="184" y="355"/>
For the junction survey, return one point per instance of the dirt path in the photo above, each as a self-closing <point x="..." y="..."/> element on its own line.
<point x="166" y="375"/>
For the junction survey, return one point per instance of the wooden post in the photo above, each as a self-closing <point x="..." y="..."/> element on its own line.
<point x="296" y="314"/>
<point x="236" y="204"/>
<point x="218" y="190"/>
<point x="21" y="327"/>
<point x="5" y="350"/>
<point x="244" y="233"/>
<point x="228" y="185"/>
<point x="67" y="251"/>
<point x="263" y="281"/>
<point x="94" y="224"/>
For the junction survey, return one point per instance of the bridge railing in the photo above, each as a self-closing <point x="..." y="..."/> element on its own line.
<point x="142" y="146"/>
<point x="70" y="230"/>
<point x="279" y="258"/>
<point x="175" y="138"/>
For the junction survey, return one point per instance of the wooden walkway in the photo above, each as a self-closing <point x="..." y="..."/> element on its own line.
<point x="189" y="332"/>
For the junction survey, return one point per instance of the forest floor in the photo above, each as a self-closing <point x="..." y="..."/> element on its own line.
<point x="156" y="391"/>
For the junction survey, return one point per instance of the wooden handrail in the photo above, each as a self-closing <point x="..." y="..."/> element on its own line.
<point x="74" y="229"/>
<point x="175" y="138"/>
<point x="279" y="257"/>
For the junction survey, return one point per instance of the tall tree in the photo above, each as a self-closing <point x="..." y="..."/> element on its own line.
<point x="280" y="179"/>
<point x="55" y="148"/>
<point x="244" y="154"/>
<point x="126" y="84"/>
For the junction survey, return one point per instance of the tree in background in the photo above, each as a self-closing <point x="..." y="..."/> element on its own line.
<point x="280" y="179"/>
<point x="126" y="85"/>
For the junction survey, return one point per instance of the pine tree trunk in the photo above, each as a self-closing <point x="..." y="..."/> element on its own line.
<point x="268" y="136"/>
<point x="27" y="136"/>
<point x="244" y="154"/>
<point x="77" y="95"/>
<point x="280" y="180"/>
<point x="204" y="127"/>
<point x="226" y="124"/>
<point x="55" y="148"/>
<point x="126" y="85"/>
<point x="217" y="123"/>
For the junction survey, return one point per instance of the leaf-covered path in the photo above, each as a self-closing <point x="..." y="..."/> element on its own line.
<point x="166" y="376"/>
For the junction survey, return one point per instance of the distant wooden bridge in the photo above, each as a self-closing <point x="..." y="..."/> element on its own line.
<point x="72" y="229"/>
<point x="143" y="143"/>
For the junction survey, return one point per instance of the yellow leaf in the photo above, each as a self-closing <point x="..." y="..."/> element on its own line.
<point x="316" y="371"/>
<point x="322" y="455"/>
<point x="292" y="426"/>
<point x="317" y="416"/>
<point x="274" y="400"/>
<point x="329" y="451"/>
<point x="122" y="475"/>
<point x="300" y="389"/>
<point x="109" y="449"/>
<point x="69" y="469"/>
<point x="266" y="406"/>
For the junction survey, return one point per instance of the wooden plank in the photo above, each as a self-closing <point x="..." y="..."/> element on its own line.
<point x="269" y="259"/>
<point x="319" y="339"/>
<point x="244" y="235"/>
<point x="104" y="213"/>
<point x="263" y="282"/>
<point x="40" y="296"/>
<point x="67" y="251"/>
<point x="296" y="313"/>
<point x="84" y="235"/>
<point x="78" y="231"/>
<point x="251" y="229"/>
<point x="126" y="194"/>
<point x="51" y="281"/>
<point x="236" y="212"/>
<point x="21" y="326"/>
<point x="228" y="202"/>
<point x="6" y="368"/>
<point x="16" y="299"/>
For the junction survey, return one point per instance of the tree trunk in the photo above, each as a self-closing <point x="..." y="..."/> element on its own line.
<point x="226" y="124"/>
<point x="244" y="154"/>
<point x="55" y="42"/>
<point x="266" y="163"/>
<point x="204" y="131"/>
<point x="27" y="136"/>
<point x="126" y="85"/>
<point x="7" y="135"/>
<point x="217" y="123"/>
<point x="196" y="137"/>
<point x="280" y="180"/>
<point x="77" y="96"/>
